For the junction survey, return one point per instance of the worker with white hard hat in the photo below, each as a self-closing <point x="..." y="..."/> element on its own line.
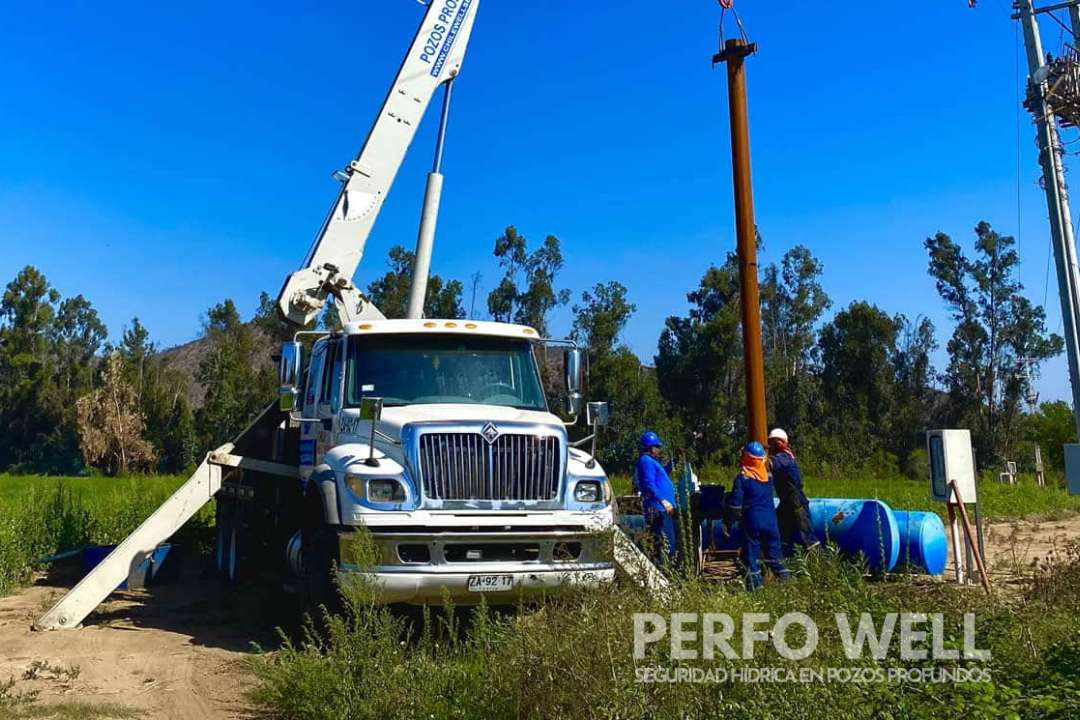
<point x="793" y="512"/>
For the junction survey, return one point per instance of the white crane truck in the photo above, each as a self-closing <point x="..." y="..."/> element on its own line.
<point x="433" y="435"/>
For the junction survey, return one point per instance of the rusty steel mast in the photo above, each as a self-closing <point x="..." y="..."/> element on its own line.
<point x="734" y="53"/>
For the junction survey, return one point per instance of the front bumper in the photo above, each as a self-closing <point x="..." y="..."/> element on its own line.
<point x="420" y="567"/>
<point x="419" y="588"/>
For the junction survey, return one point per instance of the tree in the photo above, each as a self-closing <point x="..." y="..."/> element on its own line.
<point x="269" y="321"/>
<point x="617" y="376"/>
<point x="793" y="301"/>
<point x="111" y="425"/>
<point x="857" y="374"/>
<point x="47" y="359"/>
<point x="913" y="400"/>
<point x="239" y="380"/>
<point x="536" y="271"/>
<point x="161" y="394"/>
<point x="601" y="317"/>
<point x="1051" y="427"/>
<point x="699" y="365"/>
<point x="390" y="293"/>
<point x="28" y="310"/>
<point x="999" y="342"/>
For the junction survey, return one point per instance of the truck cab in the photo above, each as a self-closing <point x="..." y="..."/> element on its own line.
<point x="435" y="436"/>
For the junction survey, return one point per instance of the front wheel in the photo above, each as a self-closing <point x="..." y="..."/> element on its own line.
<point x="318" y="560"/>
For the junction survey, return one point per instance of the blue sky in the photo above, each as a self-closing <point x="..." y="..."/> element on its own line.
<point x="159" y="158"/>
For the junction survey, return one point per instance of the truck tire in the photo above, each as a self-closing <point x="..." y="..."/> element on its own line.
<point x="228" y="533"/>
<point x="319" y="555"/>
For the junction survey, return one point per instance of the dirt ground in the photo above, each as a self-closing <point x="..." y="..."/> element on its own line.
<point x="1014" y="548"/>
<point x="178" y="652"/>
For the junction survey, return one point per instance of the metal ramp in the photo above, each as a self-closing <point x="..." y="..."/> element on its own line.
<point x="92" y="590"/>
<point x="637" y="564"/>
<point x="200" y="488"/>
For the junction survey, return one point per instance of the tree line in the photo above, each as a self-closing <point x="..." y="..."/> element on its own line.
<point x="856" y="389"/>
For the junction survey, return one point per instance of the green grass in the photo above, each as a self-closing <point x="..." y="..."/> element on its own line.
<point x="996" y="501"/>
<point x="42" y="516"/>
<point x="572" y="656"/>
<point x="23" y="705"/>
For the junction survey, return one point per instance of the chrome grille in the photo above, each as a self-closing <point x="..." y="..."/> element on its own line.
<point x="464" y="466"/>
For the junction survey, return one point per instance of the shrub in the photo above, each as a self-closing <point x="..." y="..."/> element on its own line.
<point x="570" y="656"/>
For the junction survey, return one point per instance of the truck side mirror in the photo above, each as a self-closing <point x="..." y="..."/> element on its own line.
<point x="597" y="414"/>
<point x="289" y="375"/>
<point x="574" y="376"/>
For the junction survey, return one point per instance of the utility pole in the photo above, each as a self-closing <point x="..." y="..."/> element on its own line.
<point x="733" y="54"/>
<point x="1040" y="103"/>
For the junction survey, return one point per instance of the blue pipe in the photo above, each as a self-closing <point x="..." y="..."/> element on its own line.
<point x="867" y="528"/>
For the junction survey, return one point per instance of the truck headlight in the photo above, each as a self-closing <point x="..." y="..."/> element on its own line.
<point x="588" y="491"/>
<point x="385" y="491"/>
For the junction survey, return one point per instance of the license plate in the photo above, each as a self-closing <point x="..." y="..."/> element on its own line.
<point x="489" y="583"/>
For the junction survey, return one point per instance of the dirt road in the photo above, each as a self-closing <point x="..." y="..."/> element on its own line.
<point x="179" y="652"/>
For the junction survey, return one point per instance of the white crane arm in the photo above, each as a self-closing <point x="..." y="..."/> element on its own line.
<point x="434" y="58"/>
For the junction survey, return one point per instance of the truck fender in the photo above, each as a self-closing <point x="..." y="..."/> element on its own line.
<point x="324" y="482"/>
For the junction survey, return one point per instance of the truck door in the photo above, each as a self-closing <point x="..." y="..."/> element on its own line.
<point x="330" y="392"/>
<point x="310" y="429"/>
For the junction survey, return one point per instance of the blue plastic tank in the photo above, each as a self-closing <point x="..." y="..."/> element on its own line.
<point x="869" y="528"/>
<point x="866" y="527"/>
<point x="923" y="543"/>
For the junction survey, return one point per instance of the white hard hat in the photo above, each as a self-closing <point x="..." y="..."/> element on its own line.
<point x="778" y="433"/>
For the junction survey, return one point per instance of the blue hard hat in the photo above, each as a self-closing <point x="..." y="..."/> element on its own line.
<point x="650" y="439"/>
<point x="754" y="448"/>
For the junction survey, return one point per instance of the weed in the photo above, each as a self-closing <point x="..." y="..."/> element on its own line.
<point x="40" y="517"/>
<point x="12" y="699"/>
<point x="571" y="655"/>
<point x="43" y="670"/>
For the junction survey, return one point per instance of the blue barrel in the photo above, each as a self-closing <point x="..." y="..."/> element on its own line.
<point x="867" y="528"/>
<point x="160" y="566"/>
<point x="923" y="543"/>
<point x="858" y="527"/>
<point x="93" y="555"/>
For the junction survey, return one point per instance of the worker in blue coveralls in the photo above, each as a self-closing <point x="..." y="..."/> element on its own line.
<point x="657" y="500"/>
<point x="793" y="512"/>
<point x="751" y="501"/>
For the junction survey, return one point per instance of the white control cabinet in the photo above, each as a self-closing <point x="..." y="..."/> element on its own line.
<point x="951" y="458"/>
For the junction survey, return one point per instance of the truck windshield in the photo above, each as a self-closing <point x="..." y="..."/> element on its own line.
<point x="413" y="369"/>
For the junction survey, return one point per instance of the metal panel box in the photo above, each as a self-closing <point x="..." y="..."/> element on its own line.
<point x="1072" y="468"/>
<point x="951" y="458"/>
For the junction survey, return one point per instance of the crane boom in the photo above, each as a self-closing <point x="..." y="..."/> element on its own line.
<point x="434" y="58"/>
